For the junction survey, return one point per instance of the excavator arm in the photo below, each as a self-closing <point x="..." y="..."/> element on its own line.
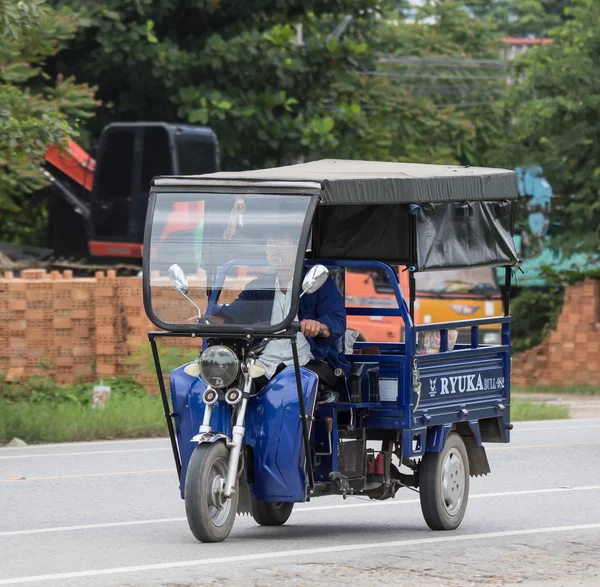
<point x="74" y="162"/>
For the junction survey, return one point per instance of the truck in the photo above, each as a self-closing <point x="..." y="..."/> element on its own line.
<point x="98" y="208"/>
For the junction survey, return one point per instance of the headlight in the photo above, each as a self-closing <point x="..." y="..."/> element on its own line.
<point x="219" y="366"/>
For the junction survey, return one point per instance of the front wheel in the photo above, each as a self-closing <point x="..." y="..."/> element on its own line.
<point x="271" y="513"/>
<point x="444" y="484"/>
<point x="210" y="514"/>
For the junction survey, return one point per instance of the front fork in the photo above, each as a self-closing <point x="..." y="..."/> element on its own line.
<point x="235" y="445"/>
<point x="237" y="437"/>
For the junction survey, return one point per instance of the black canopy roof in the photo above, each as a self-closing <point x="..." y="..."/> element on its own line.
<point x="346" y="182"/>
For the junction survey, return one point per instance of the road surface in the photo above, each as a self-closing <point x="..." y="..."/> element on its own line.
<point x="109" y="514"/>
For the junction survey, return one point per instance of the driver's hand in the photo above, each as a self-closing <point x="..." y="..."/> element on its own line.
<point x="313" y="328"/>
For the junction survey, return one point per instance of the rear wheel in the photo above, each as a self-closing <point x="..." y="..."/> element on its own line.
<point x="444" y="485"/>
<point x="210" y="514"/>
<point x="271" y="513"/>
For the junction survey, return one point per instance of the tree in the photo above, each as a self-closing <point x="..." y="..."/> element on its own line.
<point x="530" y="18"/>
<point x="555" y="109"/>
<point x="243" y="68"/>
<point x="450" y="56"/>
<point x="520" y="18"/>
<point x="274" y="93"/>
<point x="33" y="112"/>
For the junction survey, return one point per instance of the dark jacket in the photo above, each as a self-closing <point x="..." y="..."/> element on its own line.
<point x="326" y="305"/>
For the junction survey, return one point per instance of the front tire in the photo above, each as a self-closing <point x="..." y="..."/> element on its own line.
<point x="271" y="513"/>
<point x="210" y="515"/>
<point x="444" y="485"/>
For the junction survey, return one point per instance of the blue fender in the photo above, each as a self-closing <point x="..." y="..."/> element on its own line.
<point x="273" y="430"/>
<point x="188" y="407"/>
<point x="437" y="435"/>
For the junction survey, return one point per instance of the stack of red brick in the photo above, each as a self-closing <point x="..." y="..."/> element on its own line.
<point x="47" y="324"/>
<point x="571" y="354"/>
<point x="71" y="329"/>
<point x="89" y="328"/>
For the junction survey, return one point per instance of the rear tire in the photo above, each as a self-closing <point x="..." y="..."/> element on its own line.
<point x="210" y="515"/>
<point x="271" y="513"/>
<point x="444" y="485"/>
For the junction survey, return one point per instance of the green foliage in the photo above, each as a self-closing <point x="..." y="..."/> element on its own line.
<point x="43" y="390"/>
<point x="448" y="62"/>
<point x="558" y="389"/>
<point x="274" y="96"/>
<point x="525" y="411"/>
<point x="570" y="276"/>
<point x="34" y="111"/>
<point x="534" y="316"/>
<point x="124" y="416"/>
<point x="521" y="18"/>
<point x="170" y="358"/>
<point x="556" y="112"/>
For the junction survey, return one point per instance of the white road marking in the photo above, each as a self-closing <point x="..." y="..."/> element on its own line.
<point x="301" y="509"/>
<point x="556" y="425"/>
<point x="544" y="423"/>
<point x="556" y="429"/>
<point x="91" y="452"/>
<point x="530" y="446"/>
<point x="91" y="526"/>
<point x="90" y="443"/>
<point x="374" y="503"/>
<point x="454" y="538"/>
<point x="168" y="448"/>
<point x="18" y="479"/>
<point x="511" y="446"/>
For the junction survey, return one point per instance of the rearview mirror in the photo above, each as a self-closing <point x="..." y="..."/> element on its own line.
<point x="180" y="283"/>
<point x="314" y="279"/>
<point x="178" y="279"/>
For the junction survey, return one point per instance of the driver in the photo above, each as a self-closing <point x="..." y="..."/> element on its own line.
<point x="322" y="318"/>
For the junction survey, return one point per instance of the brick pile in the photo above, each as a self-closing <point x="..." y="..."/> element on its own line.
<point x="83" y="329"/>
<point x="571" y="354"/>
<point x="47" y="324"/>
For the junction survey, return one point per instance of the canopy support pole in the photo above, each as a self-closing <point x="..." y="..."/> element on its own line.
<point x="507" y="286"/>
<point x="304" y="417"/>
<point x="167" y="410"/>
<point x="412" y="293"/>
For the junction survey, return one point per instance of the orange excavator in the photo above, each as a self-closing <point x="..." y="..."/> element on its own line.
<point x="99" y="208"/>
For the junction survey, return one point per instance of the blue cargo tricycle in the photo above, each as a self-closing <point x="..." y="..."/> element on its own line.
<point x="414" y="412"/>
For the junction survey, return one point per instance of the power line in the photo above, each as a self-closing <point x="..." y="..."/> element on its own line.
<point x="424" y="61"/>
<point x="440" y="77"/>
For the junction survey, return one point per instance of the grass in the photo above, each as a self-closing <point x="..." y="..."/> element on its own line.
<point x="521" y="411"/>
<point x="559" y="389"/>
<point x="123" y="417"/>
<point x="137" y="417"/>
<point x="41" y="411"/>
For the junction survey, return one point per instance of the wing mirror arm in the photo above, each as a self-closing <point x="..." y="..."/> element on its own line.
<point x="191" y="302"/>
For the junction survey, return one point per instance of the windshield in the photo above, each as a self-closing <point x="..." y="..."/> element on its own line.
<point x="235" y="250"/>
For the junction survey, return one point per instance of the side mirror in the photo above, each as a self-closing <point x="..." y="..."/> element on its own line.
<point x="180" y="283"/>
<point x="314" y="279"/>
<point x="178" y="279"/>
